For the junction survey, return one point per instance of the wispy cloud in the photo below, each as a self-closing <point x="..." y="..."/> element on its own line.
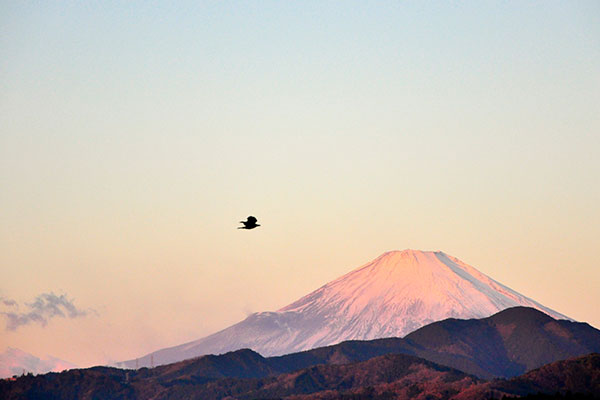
<point x="8" y="302"/>
<point x="45" y="307"/>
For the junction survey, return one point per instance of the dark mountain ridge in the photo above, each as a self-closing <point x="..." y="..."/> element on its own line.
<point x="505" y="345"/>
<point x="392" y="376"/>
<point x="161" y="383"/>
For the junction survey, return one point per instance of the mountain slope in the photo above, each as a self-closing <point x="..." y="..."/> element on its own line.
<point x="506" y="344"/>
<point x="393" y="295"/>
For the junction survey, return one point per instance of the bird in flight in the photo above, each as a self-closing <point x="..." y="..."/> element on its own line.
<point x="250" y="223"/>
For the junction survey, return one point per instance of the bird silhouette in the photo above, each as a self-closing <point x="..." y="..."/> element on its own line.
<point x="250" y="223"/>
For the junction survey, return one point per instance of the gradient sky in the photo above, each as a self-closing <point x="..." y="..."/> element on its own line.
<point x="135" y="135"/>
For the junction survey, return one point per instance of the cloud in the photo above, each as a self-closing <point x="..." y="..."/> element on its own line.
<point x="8" y="302"/>
<point x="45" y="307"/>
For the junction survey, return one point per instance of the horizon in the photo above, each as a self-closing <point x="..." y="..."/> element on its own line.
<point x="121" y="363"/>
<point x="135" y="137"/>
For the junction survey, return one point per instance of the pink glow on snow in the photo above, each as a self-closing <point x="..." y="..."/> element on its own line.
<point x="393" y="295"/>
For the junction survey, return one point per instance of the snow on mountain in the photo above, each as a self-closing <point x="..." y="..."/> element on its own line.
<point x="393" y="295"/>
<point x="16" y="362"/>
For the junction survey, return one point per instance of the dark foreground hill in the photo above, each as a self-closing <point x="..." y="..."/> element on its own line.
<point x="577" y="378"/>
<point x="386" y="377"/>
<point x="579" y="375"/>
<point x="504" y="345"/>
<point x="397" y="373"/>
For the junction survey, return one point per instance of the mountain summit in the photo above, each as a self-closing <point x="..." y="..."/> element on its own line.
<point x="393" y="295"/>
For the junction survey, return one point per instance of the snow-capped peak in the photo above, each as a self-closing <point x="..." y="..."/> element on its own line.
<point x="401" y="291"/>
<point x="393" y="295"/>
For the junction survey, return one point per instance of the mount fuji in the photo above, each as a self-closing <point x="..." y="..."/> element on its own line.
<point x="393" y="295"/>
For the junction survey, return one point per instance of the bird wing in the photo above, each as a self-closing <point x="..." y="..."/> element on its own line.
<point x="251" y="220"/>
